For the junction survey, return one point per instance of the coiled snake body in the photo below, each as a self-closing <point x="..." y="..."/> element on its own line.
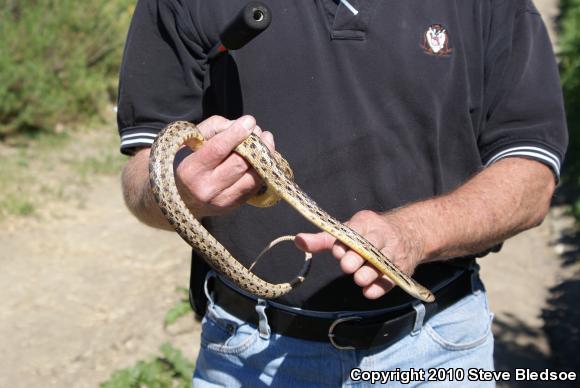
<point x="275" y="172"/>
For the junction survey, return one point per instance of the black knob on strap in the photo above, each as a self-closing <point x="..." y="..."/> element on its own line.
<point x="254" y="18"/>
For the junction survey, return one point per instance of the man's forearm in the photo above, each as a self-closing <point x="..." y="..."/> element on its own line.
<point x="508" y="197"/>
<point x="137" y="192"/>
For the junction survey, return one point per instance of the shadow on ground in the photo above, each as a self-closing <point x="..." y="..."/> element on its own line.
<point x="562" y="317"/>
<point x="510" y="351"/>
<point x="518" y="345"/>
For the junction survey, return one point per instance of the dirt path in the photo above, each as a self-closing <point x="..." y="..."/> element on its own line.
<point x="84" y="293"/>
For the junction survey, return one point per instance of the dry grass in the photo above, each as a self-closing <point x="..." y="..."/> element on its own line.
<point x="48" y="168"/>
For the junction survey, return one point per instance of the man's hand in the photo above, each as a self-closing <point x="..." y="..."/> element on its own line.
<point x="396" y="241"/>
<point x="508" y="197"/>
<point x="213" y="180"/>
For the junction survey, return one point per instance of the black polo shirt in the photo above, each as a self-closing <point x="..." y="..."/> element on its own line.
<point x="374" y="103"/>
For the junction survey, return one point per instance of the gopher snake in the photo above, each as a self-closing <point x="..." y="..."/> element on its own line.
<point x="275" y="172"/>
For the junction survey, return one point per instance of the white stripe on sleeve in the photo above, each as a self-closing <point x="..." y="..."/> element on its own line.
<point x="136" y="141"/>
<point x="530" y="151"/>
<point x="142" y="134"/>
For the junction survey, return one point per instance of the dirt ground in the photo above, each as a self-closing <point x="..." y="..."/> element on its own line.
<point x="84" y="292"/>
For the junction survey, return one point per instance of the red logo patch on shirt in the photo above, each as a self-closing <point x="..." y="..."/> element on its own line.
<point x="436" y="41"/>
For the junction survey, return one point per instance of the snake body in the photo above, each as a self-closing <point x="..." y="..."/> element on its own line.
<point x="273" y="169"/>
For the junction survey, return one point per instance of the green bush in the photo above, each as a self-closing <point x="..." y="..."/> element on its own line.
<point x="170" y="370"/>
<point x="569" y="43"/>
<point x="59" y="60"/>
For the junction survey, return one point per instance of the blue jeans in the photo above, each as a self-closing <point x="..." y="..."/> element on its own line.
<point x="439" y="353"/>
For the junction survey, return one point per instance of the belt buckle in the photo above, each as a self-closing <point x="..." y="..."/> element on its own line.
<point x="333" y="326"/>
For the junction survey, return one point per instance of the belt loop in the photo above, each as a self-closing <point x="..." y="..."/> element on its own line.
<point x="476" y="284"/>
<point x="208" y="294"/>
<point x="263" y="326"/>
<point x="419" y="317"/>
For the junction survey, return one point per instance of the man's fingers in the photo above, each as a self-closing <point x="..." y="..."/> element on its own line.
<point x="314" y="242"/>
<point x="351" y="262"/>
<point x="230" y="170"/>
<point x="240" y="191"/>
<point x="339" y="249"/>
<point x="321" y="241"/>
<point x="268" y="139"/>
<point x="378" y="288"/>
<point x="237" y="177"/>
<point x="213" y="125"/>
<point x="234" y="166"/>
<point x="365" y="275"/>
<point x="220" y="146"/>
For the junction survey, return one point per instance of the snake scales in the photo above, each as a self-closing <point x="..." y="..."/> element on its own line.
<point x="275" y="172"/>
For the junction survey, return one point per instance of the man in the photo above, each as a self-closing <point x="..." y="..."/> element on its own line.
<point x="435" y="128"/>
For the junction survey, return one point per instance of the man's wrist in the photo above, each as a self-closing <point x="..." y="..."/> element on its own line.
<point x="422" y="240"/>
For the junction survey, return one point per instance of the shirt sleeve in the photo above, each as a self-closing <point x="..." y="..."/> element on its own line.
<point x="523" y="98"/>
<point x="162" y="72"/>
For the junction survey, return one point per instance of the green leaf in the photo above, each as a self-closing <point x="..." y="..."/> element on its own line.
<point x="179" y="310"/>
<point x="179" y="364"/>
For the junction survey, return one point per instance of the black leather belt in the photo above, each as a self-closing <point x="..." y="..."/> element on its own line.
<point x="347" y="332"/>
